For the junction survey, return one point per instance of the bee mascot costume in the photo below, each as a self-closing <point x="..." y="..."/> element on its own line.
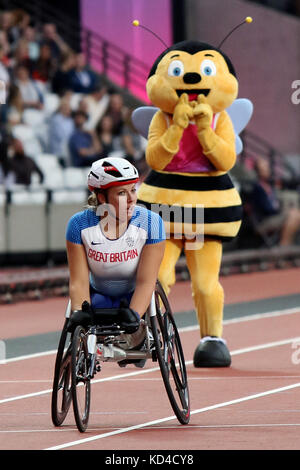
<point x="191" y="147"/>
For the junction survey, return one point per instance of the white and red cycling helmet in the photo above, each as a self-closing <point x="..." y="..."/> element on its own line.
<point x="111" y="171"/>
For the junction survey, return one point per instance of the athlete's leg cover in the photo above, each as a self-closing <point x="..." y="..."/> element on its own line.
<point x="166" y="273"/>
<point x="204" y="266"/>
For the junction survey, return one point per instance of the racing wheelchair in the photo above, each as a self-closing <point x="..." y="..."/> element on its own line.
<point x="82" y="350"/>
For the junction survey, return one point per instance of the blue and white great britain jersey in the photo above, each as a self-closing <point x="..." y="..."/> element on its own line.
<point x="113" y="263"/>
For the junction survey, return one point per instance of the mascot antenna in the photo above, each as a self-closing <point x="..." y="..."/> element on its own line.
<point x="246" y="20"/>
<point x="137" y="23"/>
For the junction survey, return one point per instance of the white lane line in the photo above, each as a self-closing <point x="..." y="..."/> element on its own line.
<point x="105" y="379"/>
<point x="28" y="356"/>
<point x="151" y="379"/>
<point x="257" y="316"/>
<point x="153" y="369"/>
<point x="265" y="346"/>
<point x="169" y="418"/>
<point x="184" y="428"/>
<point x="91" y="413"/>
<point x="46" y="430"/>
<point x="217" y="426"/>
<point x="158" y="379"/>
<point x="246" y="318"/>
<point x="24" y="381"/>
<point x="28" y="395"/>
<point x="239" y="377"/>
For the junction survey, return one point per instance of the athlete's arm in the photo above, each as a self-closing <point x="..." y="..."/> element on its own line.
<point x="79" y="286"/>
<point x="147" y="273"/>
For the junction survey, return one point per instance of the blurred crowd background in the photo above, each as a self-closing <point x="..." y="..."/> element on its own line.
<point x="60" y="115"/>
<point x="52" y="91"/>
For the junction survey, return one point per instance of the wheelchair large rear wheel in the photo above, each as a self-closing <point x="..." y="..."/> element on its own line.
<point x="80" y="383"/>
<point x="170" y="356"/>
<point x="61" y="389"/>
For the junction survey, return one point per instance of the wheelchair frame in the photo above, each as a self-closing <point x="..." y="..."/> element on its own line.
<point x="81" y="353"/>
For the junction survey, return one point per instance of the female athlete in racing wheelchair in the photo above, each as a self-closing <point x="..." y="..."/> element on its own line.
<point x="117" y="309"/>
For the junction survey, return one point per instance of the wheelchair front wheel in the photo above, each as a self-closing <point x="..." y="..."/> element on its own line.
<point x="80" y="383"/>
<point x="61" y="389"/>
<point x="170" y="356"/>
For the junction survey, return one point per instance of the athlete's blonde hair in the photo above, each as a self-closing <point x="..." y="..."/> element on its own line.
<point x="93" y="201"/>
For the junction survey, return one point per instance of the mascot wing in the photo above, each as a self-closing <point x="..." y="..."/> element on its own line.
<point x="240" y="113"/>
<point x="141" y="119"/>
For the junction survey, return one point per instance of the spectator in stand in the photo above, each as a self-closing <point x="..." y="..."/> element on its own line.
<point x="23" y="167"/>
<point x="133" y="143"/>
<point x="117" y="111"/>
<point x="6" y="174"/>
<point x="5" y="47"/>
<point x="31" y="93"/>
<point x="84" y="145"/>
<point x="5" y="77"/>
<point x="14" y="106"/>
<point x="33" y="45"/>
<point x="267" y="209"/>
<point x="21" y="19"/>
<point x="61" y="79"/>
<point x="7" y="25"/>
<point x="44" y="68"/>
<point x="21" y="55"/>
<point x="82" y="79"/>
<point x="54" y="41"/>
<point x="108" y="141"/>
<point x="61" y="127"/>
<point x="83" y="106"/>
<point x="4" y="73"/>
<point x="97" y="102"/>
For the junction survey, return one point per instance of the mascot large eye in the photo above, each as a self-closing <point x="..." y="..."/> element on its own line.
<point x="176" y="68"/>
<point x="208" y="68"/>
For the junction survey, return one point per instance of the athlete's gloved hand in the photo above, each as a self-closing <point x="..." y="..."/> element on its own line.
<point x="130" y="319"/>
<point x="80" y="317"/>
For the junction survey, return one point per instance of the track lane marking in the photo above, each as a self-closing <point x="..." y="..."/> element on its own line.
<point x="169" y="418"/>
<point x="252" y="317"/>
<point x="190" y="428"/>
<point x="256" y="316"/>
<point x="184" y="428"/>
<point x="154" y="369"/>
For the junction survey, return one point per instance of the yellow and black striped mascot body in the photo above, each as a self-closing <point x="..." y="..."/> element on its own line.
<point x="191" y="148"/>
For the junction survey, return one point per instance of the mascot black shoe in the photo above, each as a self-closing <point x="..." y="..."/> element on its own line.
<point x="212" y="352"/>
<point x="192" y="131"/>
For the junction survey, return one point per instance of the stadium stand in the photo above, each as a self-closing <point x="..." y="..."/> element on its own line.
<point x="27" y="116"/>
<point x="26" y="221"/>
<point x="49" y="204"/>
